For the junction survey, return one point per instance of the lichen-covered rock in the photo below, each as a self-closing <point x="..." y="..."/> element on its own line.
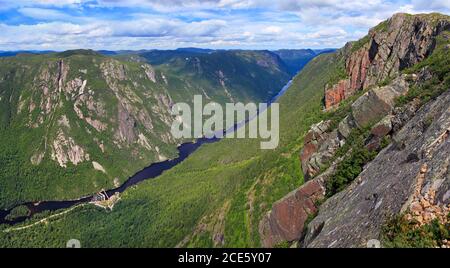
<point x="387" y="186"/>
<point x="377" y="102"/>
<point x="383" y="127"/>
<point x="319" y="147"/>
<point x="346" y="125"/>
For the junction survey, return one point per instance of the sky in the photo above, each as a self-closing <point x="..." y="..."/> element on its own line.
<point x="168" y="24"/>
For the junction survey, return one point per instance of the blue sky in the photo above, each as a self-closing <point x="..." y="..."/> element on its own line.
<point x="168" y="24"/>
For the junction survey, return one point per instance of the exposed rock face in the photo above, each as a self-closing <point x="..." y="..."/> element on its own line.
<point x="286" y="221"/>
<point x="377" y="102"/>
<point x="383" y="127"/>
<point x="126" y="126"/>
<point x="150" y="72"/>
<point x="346" y="125"/>
<point x="336" y="93"/>
<point x="65" y="149"/>
<point x="379" y="131"/>
<point x="355" y="215"/>
<point x="417" y="161"/>
<point x="98" y="167"/>
<point x="401" y="115"/>
<point x="319" y="147"/>
<point x="357" y="66"/>
<point x="401" y="42"/>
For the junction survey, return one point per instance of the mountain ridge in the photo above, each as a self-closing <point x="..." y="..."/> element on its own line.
<point x="77" y="114"/>
<point x="232" y="194"/>
<point x="371" y="121"/>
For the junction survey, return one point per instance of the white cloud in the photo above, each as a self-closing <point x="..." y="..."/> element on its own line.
<point x="431" y="4"/>
<point x="43" y="13"/>
<point x="204" y="23"/>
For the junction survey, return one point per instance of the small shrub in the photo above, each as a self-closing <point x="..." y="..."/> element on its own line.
<point x="438" y="63"/>
<point x="385" y="82"/>
<point x="284" y="244"/>
<point x="349" y="169"/>
<point x="401" y="233"/>
<point x="385" y="141"/>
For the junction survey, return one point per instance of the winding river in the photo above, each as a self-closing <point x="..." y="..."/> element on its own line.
<point x="150" y="172"/>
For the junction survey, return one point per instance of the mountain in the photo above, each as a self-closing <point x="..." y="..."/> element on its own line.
<point x="363" y="155"/>
<point x="377" y="170"/>
<point x="75" y="122"/>
<point x="237" y="68"/>
<point x="195" y="50"/>
<point x="324" y="50"/>
<point x="14" y="53"/>
<point x="108" y="52"/>
<point x="296" y="59"/>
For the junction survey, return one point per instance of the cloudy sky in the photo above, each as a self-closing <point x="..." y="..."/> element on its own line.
<point x="167" y="24"/>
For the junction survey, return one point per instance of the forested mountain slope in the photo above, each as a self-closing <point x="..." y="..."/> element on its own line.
<point x="340" y="112"/>
<point x="169" y="210"/>
<point x="76" y="122"/>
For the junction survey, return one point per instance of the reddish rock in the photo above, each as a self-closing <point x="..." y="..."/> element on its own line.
<point x="308" y="137"/>
<point x="313" y="142"/>
<point x="286" y="220"/>
<point x="385" y="54"/>
<point x="308" y="150"/>
<point x="383" y="127"/>
<point x="374" y="144"/>
<point x="335" y="94"/>
<point x="356" y="67"/>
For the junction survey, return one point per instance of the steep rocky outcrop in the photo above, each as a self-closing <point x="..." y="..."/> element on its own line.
<point x="390" y="47"/>
<point x="338" y="92"/>
<point x="355" y="215"/>
<point x="319" y="147"/>
<point x="320" y="144"/>
<point x="378" y="102"/>
<point x="287" y="219"/>
<point x="392" y="177"/>
<point x="412" y="173"/>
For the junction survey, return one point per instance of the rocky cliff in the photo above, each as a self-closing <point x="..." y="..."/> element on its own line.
<point x="390" y="47"/>
<point x="75" y="122"/>
<point x="408" y="176"/>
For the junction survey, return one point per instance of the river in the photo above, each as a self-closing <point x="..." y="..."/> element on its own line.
<point x="150" y="172"/>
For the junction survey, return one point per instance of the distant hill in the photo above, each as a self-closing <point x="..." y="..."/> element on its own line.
<point x="324" y="50"/>
<point x="77" y="121"/>
<point x="14" y="53"/>
<point x="295" y="59"/>
<point x="195" y="50"/>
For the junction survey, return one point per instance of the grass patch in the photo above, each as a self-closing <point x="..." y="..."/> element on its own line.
<point x="438" y="63"/>
<point x="357" y="45"/>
